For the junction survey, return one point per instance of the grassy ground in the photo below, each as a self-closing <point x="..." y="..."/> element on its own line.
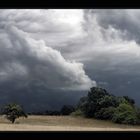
<point x="62" y="123"/>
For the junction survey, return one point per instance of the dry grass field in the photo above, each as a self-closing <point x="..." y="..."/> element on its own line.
<point x="62" y="123"/>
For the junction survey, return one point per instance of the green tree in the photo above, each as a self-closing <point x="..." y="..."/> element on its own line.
<point x="86" y="106"/>
<point x="107" y="101"/>
<point x="125" y="114"/>
<point x="91" y="104"/>
<point x="102" y="105"/>
<point x="96" y="93"/>
<point x="105" y="113"/>
<point x="131" y="101"/>
<point x="13" y="111"/>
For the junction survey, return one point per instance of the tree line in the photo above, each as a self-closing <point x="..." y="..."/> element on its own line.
<point x="13" y="111"/>
<point x="98" y="104"/>
<point x="65" y="110"/>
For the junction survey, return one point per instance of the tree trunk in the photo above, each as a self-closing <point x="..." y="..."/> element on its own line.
<point x="13" y="120"/>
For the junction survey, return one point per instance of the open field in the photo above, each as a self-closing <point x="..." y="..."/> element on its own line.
<point x="62" y="123"/>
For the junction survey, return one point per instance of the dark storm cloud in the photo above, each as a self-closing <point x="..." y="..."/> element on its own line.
<point x="105" y="48"/>
<point x="31" y="69"/>
<point x="125" y="20"/>
<point x="45" y="51"/>
<point x="34" y="61"/>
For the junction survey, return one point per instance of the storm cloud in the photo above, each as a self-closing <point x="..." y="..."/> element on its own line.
<point x="33" y="61"/>
<point x="65" y="52"/>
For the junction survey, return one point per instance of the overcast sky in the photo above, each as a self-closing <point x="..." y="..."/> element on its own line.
<point x="68" y="51"/>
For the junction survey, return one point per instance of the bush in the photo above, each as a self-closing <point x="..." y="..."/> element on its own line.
<point x="77" y="113"/>
<point x="125" y="114"/>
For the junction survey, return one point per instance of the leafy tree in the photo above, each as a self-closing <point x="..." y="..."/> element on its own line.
<point x="91" y="104"/>
<point x="96" y="93"/>
<point x="102" y="105"/>
<point x="107" y="101"/>
<point x="67" y="110"/>
<point x="86" y="106"/>
<point x="13" y="111"/>
<point x="125" y="114"/>
<point x="138" y="114"/>
<point x="131" y="101"/>
<point x="105" y="113"/>
<point x="82" y="102"/>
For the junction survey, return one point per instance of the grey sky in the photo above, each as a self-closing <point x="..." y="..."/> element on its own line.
<point x="69" y="51"/>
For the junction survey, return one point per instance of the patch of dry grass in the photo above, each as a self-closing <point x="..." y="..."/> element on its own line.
<point x="62" y="123"/>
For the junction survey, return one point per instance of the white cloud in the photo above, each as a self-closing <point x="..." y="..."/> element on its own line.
<point x="49" y="25"/>
<point x="36" y="61"/>
<point x="108" y="48"/>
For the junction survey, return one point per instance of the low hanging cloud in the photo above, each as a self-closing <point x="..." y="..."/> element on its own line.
<point x="34" y="61"/>
<point x="35" y="70"/>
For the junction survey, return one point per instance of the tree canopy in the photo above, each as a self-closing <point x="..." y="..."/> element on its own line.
<point x="13" y="111"/>
<point x="100" y="104"/>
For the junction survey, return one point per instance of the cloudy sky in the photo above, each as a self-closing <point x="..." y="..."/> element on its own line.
<point x="52" y="57"/>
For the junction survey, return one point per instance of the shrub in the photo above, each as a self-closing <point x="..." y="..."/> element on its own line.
<point x="77" y="113"/>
